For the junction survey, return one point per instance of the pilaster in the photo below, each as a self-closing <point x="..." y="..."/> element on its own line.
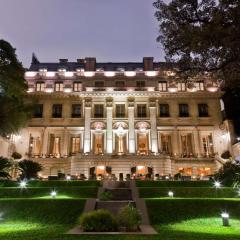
<point x="109" y="134"/>
<point x="153" y="121"/>
<point x="131" y="125"/>
<point x="87" y="124"/>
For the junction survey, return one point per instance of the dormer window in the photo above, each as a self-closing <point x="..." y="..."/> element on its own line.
<point x="42" y="71"/>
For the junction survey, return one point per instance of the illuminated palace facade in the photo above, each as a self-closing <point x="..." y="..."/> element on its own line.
<point x="122" y="118"/>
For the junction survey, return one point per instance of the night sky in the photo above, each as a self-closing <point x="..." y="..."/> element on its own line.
<point x="110" y="30"/>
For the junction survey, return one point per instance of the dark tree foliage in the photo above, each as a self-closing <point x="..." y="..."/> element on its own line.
<point x="29" y="169"/>
<point x="5" y="167"/>
<point x="229" y="174"/>
<point x="13" y="111"/>
<point x="202" y="36"/>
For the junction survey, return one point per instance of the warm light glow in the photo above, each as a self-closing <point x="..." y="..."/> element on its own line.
<point x="23" y="184"/>
<point x="109" y="89"/>
<point x="130" y="73"/>
<point x="212" y="88"/>
<point x="69" y="74"/>
<point x="170" y="194"/>
<point x="217" y="184"/>
<point x="68" y="177"/>
<point x="140" y="167"/>
<point x="49" y="90"/>
<point x="109" y="74"/>
<point x="151" y="73"/>
<point x="225" y="215"/>
<point x="89" y="74"/>
<point x="30" y="90"/>
<point x="50" y="74"/>
<point x="67" y="90"/>
<point x="30" y="74"/>
<point x="53" y="194"/>
<point x="150" y="89"/>
<point x="101" y="167"/>
<point x="172" y="89"/>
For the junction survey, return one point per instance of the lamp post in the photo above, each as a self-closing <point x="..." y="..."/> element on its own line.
<point x="225" y="219"/>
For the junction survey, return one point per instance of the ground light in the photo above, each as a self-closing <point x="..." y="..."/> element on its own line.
<point x="23" y="184"/>
<point x="225" y="219"/>
<point x="217" y="184"/>
<point x="170" y="194"/>
<point x="68" y="177"/>
<point x="53" y="194"/>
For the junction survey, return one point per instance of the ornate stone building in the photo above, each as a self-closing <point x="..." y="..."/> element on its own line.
<point x="122" y="118"/>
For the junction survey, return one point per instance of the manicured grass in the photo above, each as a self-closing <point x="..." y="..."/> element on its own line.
<point x="174" y="183"/>
<point x="188" y="192"/>
<point x="29" y="192"/>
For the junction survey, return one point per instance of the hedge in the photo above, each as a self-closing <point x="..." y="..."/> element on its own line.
<point x="164" y="211"/>
<point x="78" y="192"/>
<point x="188" y="192"/>
<point x="53" y="183"/>
<point x="60" y="211"/>
<point x="174" y="183"/>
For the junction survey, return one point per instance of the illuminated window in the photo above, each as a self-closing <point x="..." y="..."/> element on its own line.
<point x="162" y="86"/>
<point x="199" y="85"/>
<point x="181" y="87"/>
<point x="75" y="146"/>
<point x="166" y="143"/>
<point x="207" y="142"/>
<point x="187" y="147"/>
<point x="77" y="86"/>
<point x="40" y="86"/>
<point x="59" y="86"/>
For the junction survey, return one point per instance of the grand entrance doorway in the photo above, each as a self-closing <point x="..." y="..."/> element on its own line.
<point x="100" y="172"/>
<point x="141" y="172"/>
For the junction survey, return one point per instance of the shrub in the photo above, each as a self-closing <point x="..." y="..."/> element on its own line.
<point x="98" y="221"/>
<point x="106" y="196"/>
<point x="5" y="166"/>
<point x="29" y="169"/>
<point x="229" y="174"/>
<point x="16" y="155"/>
<point x="226" y="155"/>
<point x="129" y="218"/>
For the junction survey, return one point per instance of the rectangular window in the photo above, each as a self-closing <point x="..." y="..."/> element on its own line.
<point x="77" y="86"/>
<point x="140" y="84"/>
<point x="99" y="84"/>
<point x="57" y="110"/>
<point x="207" y="142"/>
<point x="75" y="146"/>
<point x="164" y="110"/>
<point x="38" y="111"/>
<point x="187" y="147"/>
<point x="98" y="111"/>
<point x="59" y="86"/>
<point x="76" y="110"/>
<point x="120" y="84"/>
<point x="203" y="110"/>
<point x="199" y="85"/>
<point x="165" y="143"/>
<point x="162" y="86"/>
<point x="141" y="110"/>
<point x="120" y="111"/>
<point x="183" y="110"/>
<point x="181" y="87"/>
<point x="40" y="86"/>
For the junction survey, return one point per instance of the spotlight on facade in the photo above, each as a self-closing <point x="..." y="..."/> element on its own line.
<point x="23" y="184"/>
<point x="170" y="194"/>
<point x="53" y="194"/>
<point x="225" y="219"/>
<point x="217" y="184"/>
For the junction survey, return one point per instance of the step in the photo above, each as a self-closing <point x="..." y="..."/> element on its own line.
<point x="120" y="193"/>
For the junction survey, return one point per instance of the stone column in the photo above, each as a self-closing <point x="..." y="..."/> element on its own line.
<point x="131" y="142"/>
<point x="153" y="121"/>
<point x="45" y="142"/>
<point x="65" y="143"/>
<point x="197" y="142"/>
<point x="87" y="126"/>
<point x="175" y="141"/>
<point x="109" y="125"/>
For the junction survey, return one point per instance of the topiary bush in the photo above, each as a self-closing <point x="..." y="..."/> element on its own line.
<point x="98" y="221"/>
<point x="129" y="218"/>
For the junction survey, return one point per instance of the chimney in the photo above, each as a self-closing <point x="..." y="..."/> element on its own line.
<point x="63" y="60"/>
<point x="90" y="64"/>
<point x="80" y="60"/>
<point x="148" y="64"/>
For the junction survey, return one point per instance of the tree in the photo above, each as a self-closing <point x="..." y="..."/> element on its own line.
<point x="229" y="174"/>
<point x="201" y="36"/>
<point x="5" y="167"/>
<point x="14" y="112"/>
<point x="29" y="169"/>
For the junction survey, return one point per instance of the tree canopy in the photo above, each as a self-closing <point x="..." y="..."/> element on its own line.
<point x="202" y="36"/>
<point x="13" y="111"/>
